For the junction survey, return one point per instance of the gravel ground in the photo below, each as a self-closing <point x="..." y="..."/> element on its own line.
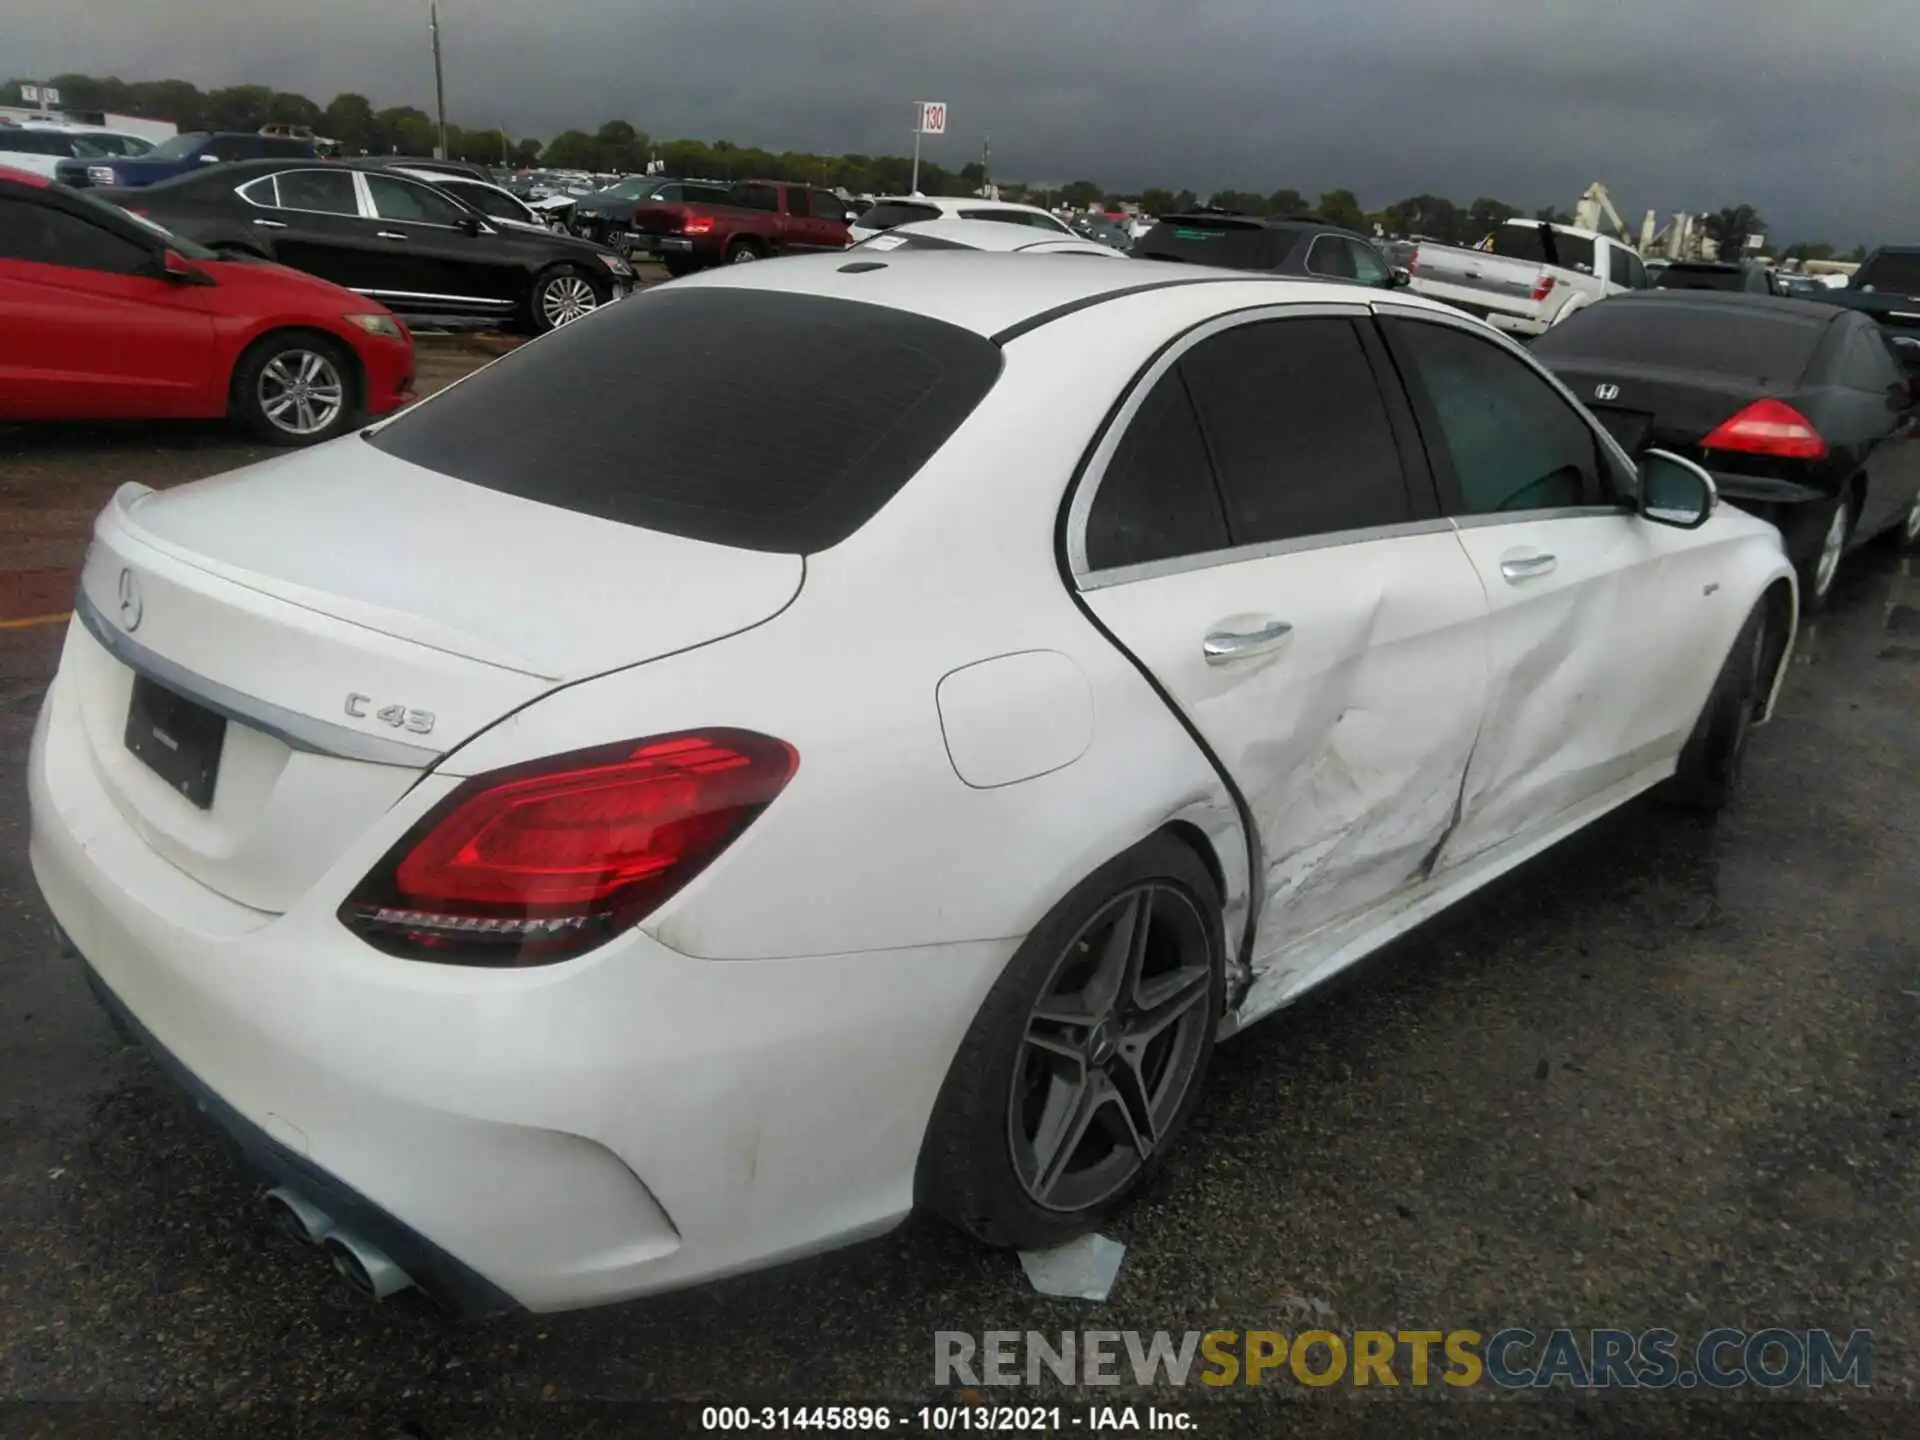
<point x="1666" y="1076"/>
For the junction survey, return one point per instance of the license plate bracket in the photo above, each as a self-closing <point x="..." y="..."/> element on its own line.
<point x="176" y="738"/>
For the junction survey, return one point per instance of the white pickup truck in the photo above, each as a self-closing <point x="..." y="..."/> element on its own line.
<point x="1527" y="275"/>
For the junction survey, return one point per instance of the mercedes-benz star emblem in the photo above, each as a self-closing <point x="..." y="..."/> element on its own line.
<point x="131" y="606"/>
<point x="1606" y="392"/>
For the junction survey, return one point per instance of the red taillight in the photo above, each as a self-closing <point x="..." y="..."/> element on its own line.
<point x="697" y="225"/>
<point x="1769" y="427"/>
<point x="1413" y="261"/>
<point x="1542" y="287"/>
<point x="539" y="862"/>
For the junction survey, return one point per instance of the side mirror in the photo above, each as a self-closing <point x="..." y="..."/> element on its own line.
<point x="1675" y="491"/>
<point x="175" y="269"/>
<point x="1401" y="278"/>
<point x="470" y="225"/>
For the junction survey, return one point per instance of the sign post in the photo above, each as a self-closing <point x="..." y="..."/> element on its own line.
<point x="930" y="119"/>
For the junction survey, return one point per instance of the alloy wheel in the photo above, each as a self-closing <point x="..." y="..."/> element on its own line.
<point x="1832" y="546"/>
<point x="741" y="255"/>
<point x="566" y="298"/>
<point x="1913" y="521"/>
<point x="301" y="392"/>
<point x="1111" y="1048"/>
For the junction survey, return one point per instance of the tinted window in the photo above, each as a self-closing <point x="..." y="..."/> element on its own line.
<point x="1682" y="276"/>
<point x="1157" y="499"/>
<point x="36" y="142"/>
<point x="769" y="421"/>
<point x="1544" y="245"/>
<point x="1716" y="337"/>
<point x="489" y="201"/>
<point x="1898" y="272"/>
<point x="1298" y="430"/>
<point x="1329" y="255"/>
<point x="1618" y="271"/>
<point x="404" y="200"/>
<point x="1636" y="271"/>
<point x="827" y="206"/>
<point x="703" y="194"/>
<point x="890" y="213"/>
<point x="797" y="202"/>
<point x="235" y="147"/>
<point x="1368" y="266"/>
<point x="1204" y="240"/>
<point x="46" y="236"/>
<point x="328" y="191"/>
<point x="1515" y="442"/>
<point x="754" y="197"/>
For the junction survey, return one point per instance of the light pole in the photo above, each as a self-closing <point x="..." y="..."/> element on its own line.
<point x="439" y="83"/>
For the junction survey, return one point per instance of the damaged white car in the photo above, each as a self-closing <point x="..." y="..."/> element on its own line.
<point x="584" y="837"/>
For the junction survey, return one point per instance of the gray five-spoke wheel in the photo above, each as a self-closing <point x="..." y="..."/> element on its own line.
<point x="301" y="392"/>
<point x="1111" y="1048"/>
<point x="565" y="298"/>
<point x="1833" y="545"/>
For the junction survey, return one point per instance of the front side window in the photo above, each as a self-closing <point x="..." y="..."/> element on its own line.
<point x="1298" y="430"/>
<point x="827" y="206"/>
<point x="1328" y="255"/>
<point x="1513" y="441"/>
<point x="403" y="200"/>
<point x="1369" y="268"/>
<point x="42" y="235"/>
<point x="328" y="192"/>
<point x="1157" y="500"/>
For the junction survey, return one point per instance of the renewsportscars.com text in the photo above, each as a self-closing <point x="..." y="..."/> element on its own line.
<point x="1515" y="1358"/>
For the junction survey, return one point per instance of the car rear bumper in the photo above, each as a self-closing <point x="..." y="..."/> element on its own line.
<point x="632" y="1121"/>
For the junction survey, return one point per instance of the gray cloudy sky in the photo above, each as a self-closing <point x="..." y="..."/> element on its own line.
<point x="1807" y="111"/>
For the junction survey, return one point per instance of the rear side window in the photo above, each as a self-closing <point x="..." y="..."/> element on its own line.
<point x="1514" y="442"/>
<point x="766" y="421"/>
<point x="889" y="213"/>
<point x="1298" y="430"/>
<point x="1157" y="500"/>
<point x="755" y="197"/>
<point x="328" y="192"/>
<point x="1709" y="336"/>
<point x="1544" y="245"/>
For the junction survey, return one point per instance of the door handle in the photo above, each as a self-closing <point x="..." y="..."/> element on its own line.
<point x="1524" y="565"/>
<point x="271" y="224"/>
<point x="389" y="234"/>
<point x="1223" y="647"/>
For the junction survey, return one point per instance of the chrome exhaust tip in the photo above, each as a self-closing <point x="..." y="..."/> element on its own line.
<point x="366" y="1267"/>
<point x="299" y="1218"/>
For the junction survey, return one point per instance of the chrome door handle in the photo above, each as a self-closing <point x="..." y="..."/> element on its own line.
<point x="1223" y="647"/>
<point x="271" y="224"/>
<point x="1524" y="567"/>
<point x="389" y="235"/>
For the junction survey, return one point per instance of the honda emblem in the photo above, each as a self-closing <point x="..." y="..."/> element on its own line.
<point x="1606" y="392"/>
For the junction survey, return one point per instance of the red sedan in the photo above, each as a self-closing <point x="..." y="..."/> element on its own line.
<point x="104" y="316"/>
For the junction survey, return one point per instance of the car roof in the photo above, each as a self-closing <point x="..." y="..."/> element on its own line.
<point x="962" y="202"/>
<point x="995" y="235"/>
<point x="994" y="294"/>
<point x="1729" y="299"/>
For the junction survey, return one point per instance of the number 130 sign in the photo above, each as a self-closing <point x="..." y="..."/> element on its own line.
<point x="933" y="117"/>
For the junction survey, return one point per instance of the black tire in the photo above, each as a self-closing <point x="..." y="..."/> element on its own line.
<point x="1809" y="530"/>
<point x="742" y="251"/>
<point x="980" y="1168"/>
<point x="1711" y="763"/>
<point x="562" y="294"/>
<point x="679" y="265"/>
<point x="321" y="370"/>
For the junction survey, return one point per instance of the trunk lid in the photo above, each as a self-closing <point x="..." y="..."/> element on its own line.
<point x="355" y="617"/>
<point x="1681" y="408"/>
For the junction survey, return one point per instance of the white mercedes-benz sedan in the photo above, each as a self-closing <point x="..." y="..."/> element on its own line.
<point x="830" y="736"/>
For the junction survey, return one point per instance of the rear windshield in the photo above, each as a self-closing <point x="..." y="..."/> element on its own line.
<point x="1899" y="273"/>
<point x="750" y="418"/>
<point x="889" y="213"/>
<point x="1709" y="337"/>
<point x="1544" y="246"/>
<point x="1700" y="277"/>
<point x="1203" y="240"/>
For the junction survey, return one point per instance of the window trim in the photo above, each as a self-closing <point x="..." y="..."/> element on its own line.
<point x="363" y="183"/>
<point x="1306" y="260"/>
<point x="364" y="212"/>
<point x="1444" y="479"/>
<point x="1094" y="467"/>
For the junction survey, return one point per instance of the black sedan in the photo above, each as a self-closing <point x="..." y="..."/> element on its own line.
<point x="607" y="215"/>
<point x="1803" y="413"/>
<point x="399" y="238"/>
<point x="1289" y="245"/>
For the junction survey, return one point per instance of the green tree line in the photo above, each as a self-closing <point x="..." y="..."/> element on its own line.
<point x="620" y="147"/>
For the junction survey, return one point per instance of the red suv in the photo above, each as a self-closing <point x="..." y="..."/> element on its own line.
<point x="104" y="316"/>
